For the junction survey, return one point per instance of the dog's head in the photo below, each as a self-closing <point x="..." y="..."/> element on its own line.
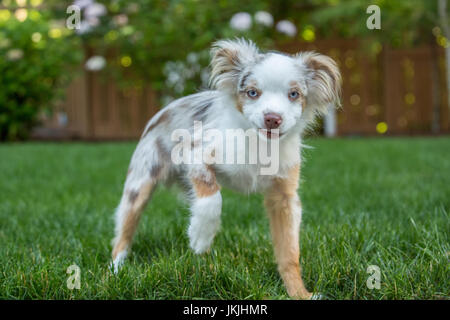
<point x="275" y="90"/>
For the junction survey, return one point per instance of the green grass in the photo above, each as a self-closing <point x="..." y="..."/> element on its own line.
<point x="383" y="202"/>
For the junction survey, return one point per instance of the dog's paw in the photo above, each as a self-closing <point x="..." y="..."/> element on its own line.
<point x="200" y="243"/>
<point x="201" y="234"/>
<point x="118" y="261"/>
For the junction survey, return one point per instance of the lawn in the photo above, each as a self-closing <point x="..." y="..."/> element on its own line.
<point x="383" y="202"/>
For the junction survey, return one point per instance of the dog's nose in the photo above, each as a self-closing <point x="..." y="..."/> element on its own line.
<point x="272" y="120"/>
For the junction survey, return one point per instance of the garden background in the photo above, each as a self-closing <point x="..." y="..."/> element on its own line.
<point x="127" y="59"/>
<point x="377" y="193"/>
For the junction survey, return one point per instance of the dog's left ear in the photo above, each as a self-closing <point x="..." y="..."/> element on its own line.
<point x="229" y="60"/>
<point x="323" y="80"/>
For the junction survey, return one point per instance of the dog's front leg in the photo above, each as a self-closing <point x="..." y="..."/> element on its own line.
<point x="284" y="210"/>
<point x="206" y="208"/>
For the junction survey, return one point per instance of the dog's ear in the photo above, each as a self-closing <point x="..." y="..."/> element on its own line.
<point x="229" y="59"/>
<point x="323" y="80"/>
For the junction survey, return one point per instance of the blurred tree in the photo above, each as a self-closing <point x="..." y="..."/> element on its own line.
<point x="146" y="34"/>
<point x="36" y="54"/>
<point x="165" y="42"/>
<point x="403" y="24"/>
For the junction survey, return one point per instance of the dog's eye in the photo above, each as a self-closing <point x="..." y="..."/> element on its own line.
<point x="293" y="95"/>
<point x="252" y="93"/>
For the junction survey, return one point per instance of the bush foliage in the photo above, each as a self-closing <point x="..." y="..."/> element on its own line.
<point x="34" y="57"/>
<point x="165" y="43"/>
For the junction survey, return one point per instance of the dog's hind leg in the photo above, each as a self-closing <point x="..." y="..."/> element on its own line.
<point x="206" y="208"/>
<point x="127" y="218"/>
<point x="146" y="169"/>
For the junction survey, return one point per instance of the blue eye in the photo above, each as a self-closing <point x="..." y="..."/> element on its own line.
<point x="293" y="95"/>
<point x="252" y="93"/>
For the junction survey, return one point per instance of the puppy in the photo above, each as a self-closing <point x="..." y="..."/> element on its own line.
<point x="273" y="94"/>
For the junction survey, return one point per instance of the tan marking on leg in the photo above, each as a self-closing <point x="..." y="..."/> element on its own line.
<point x="205" y="185"/>
<point x="280" y="202"/>
<point x="137" y="201"/>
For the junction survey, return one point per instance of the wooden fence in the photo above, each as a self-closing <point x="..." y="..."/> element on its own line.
<point x="398" y="88"/>
<point x="394" y="92"/>
<point x="96" y="108"/>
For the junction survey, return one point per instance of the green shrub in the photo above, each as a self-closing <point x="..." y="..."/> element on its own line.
<point x="35" y="56"/>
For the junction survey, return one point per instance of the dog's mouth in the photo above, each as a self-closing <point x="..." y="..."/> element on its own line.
<point x="270" y="134"/>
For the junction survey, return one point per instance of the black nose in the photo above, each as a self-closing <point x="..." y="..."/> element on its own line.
<point x="272" y="120"/>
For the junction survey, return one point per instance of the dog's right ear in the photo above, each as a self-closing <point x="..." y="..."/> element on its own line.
<point x="229" y="60"/>
<point x="324" y="80"/>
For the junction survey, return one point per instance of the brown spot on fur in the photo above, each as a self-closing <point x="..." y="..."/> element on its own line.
<point x="163" y="153"/>
<point x="280" y="202"/>
<point x="205" y="185"/>
<point x="252" y="85"/>
<point x="155" y="170"/>
<point x="327" y="65"/>
<point x="240" y="101"/>
<point x="230" y="55"/>
<point x="244" y="79"/>
<point x="302" y="100"/>
<point x="200" y="113"/>
<point x="132" y="196"/>
<point x="162" y="118"/>
<point x="163" y="157"/>
<point x="317" y="65"/>
<point x="294" y="84"/>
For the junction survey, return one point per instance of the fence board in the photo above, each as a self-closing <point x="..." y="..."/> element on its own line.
<point x="395" y="87"/>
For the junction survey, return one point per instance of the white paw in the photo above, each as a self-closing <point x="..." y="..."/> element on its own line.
<point x="202" y="236"/>
<point x="205" y="222"/>
<point x="119" y="261"/>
